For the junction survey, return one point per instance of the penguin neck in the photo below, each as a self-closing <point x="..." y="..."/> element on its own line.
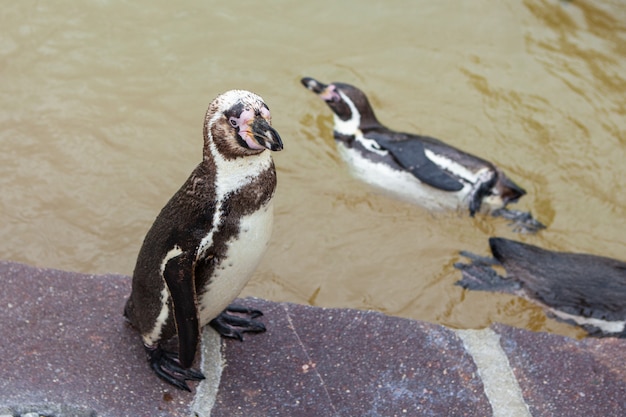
<point x="347" y="127"/>
<point x="234" y="173"/>
<point x="348" y="130"/>
<point x="361" y="119"/>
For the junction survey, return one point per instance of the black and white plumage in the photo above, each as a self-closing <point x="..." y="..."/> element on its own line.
<point x="208" y="239"/>
<point x="415" y="168"/>
<point x="582" y="289"/>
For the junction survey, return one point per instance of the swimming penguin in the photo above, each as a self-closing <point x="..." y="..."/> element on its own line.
<point x="585" y="290"/>
<point x="208" y="239"/>
<point x="419" y="169"/>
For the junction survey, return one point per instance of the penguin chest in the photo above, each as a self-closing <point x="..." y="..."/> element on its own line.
<point x="244" y="252"/>
<point x="383" y="173"/>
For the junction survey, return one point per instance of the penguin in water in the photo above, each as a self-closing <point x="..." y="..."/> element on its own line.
<point x="415" y="168"/>
<point x="208" y="239"/>
<point x="581" y="289"/>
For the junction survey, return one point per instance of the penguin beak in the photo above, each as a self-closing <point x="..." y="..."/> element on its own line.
<point x="265" y="135"/>
<point x="327" y="93"/>
<point x="313" y="85"/>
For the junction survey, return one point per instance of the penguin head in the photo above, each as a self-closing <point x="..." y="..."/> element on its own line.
<point x="238" y="123"/>
<point x="351" y="108"/>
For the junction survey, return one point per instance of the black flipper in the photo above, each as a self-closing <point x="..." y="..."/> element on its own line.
<point x="479" y="275"/>
<point x="167" y="367"/>
<point x="179" y="277"/>
<point x="230" y="323"/>
<point x="410" y="154"/>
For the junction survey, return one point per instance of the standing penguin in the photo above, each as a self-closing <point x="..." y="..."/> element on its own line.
<point x="208" y="239"/>
<point x="419" y="169"/>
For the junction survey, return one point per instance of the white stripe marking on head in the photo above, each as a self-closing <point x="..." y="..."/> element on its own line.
<point x="347" y="127"/>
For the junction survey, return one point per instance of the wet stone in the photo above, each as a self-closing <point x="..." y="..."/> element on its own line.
<point x="67" y="351"/>
<point x="560" y="376"/>
<point x="339" y="362"/>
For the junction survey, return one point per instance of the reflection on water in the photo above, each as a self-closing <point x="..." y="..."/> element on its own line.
<point x="101" y="121"/>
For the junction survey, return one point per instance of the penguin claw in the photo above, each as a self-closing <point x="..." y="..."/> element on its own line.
<point x="234" y="326"/>
<point x="167" y="367"/>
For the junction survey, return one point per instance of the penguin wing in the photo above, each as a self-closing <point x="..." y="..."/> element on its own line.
<point x="411" y="155"/>
<point x="178" y="275"/>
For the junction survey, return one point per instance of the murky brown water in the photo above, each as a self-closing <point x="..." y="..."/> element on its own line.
<point x="101" y="116"/>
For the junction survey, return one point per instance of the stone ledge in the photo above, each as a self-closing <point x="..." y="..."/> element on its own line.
<point x="341" y="362"/>
<point x="67" y="351"/>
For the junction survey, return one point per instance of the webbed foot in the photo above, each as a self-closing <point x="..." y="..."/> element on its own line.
<point x="233" y="322"/>
<point x="477" y="259"/>
<point x="167" y="367"/>
<point x="522" y="221"/>
<point x="480" y="276"/>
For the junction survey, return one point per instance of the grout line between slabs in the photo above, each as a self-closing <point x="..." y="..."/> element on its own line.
<point x="501" y="386"/>
<point x="212" y="366"/>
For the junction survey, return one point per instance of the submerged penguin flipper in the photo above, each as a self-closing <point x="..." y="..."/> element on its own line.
<point x="177" y="273"/>
<point x="411" y="155"/>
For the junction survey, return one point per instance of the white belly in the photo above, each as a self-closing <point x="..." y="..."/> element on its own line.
<point x="244" y="254"/>
<point x="604" y="325"/>
<point x="402" y="185"/>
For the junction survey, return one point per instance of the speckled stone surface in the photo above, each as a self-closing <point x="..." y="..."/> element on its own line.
<point x="560" y="376"/>
<point x="338" y="362"/>
<point x="66" y="350"/>
<point x="65" y="345"/>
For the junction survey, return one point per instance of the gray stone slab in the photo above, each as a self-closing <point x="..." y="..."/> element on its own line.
<point x="65" y="346"/>
<point x="560" y="376"/>
<point x="67" y="351"/>
<point x="339" y="362"/>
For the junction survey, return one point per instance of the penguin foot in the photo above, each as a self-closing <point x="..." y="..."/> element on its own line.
<point x="477" y="259"/>
<point x="479" y="275"/>
<point x="167" y="367"/>
<point x="522" y="221"/>
<point x="230" y="322"/>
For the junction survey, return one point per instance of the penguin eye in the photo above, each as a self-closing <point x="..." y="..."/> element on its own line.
<point x="233" y="122"/>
